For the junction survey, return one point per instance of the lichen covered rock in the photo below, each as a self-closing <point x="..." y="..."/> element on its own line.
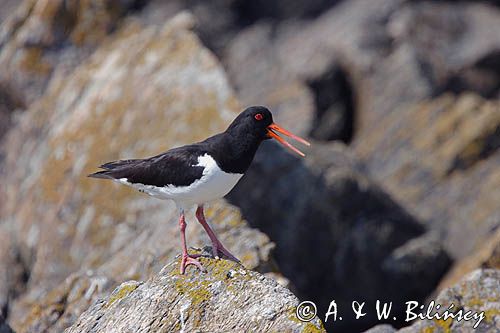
<point x="34" y="29"/>
<point x="146" y="90"/>
<point x="228" y="298"/>
<point x="440" y="157"/>
<point x="478" y="292"/>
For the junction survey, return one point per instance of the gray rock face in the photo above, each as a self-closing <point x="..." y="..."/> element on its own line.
<point x="478" y="291"/>
<point x="60" y="223"/>
<point x="441" y="158"/>
<point x="228" y="298"/>
<point x="340" y="236"/>
<point x="34" y="29"/>
<point x="116" y="82"/>
<point x="4" y="327"/>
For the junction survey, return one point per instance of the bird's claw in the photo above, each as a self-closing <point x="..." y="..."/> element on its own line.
<point x="219" y="248"/>
<point x="191" y="260"/>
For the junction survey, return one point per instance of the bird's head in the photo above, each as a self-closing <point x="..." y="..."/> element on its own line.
<point x="256" y="122"/>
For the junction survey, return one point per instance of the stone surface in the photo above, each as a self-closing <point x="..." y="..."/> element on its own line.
<point x="441" y="158"/>
<point x="9" y="102"/>
<point x="8" y="7"/>
<point x="383" y="60"/>
<point x="412" y="86"/>
<point x="486" y="256"/>
<point x="33" y="31"/>
<point x="4" y="327"/>
<point x="227" y="298"/>
<point x="340" y="236"/>
<point x="383" y="328"/>
<point x="133" y="97"/>
<point x="478" y="291"/>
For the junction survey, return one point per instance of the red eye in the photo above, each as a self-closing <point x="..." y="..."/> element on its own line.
<point x="258" y="116"/>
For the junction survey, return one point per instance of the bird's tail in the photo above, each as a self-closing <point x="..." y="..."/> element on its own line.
<point x="101" y="174"/>
<point x="113" y="170"/>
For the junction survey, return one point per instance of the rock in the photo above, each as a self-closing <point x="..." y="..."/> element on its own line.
<point x="487" y="256"/>
<point x="431" y="134"/>
<point x="478" y="291"/>
<point x="384" y="64"/>
<point x="59" y="308"/>
<point x="255" y="70"/>
<point x="384" y="328"/>
<point x="9" y="102"/>
<point x="280" y="9"/>
<point x="341" y="236"/>
<point x="441" y="158"/>
<point x="8" y="6"/>
<point x="13" y="273"/>
<point x="34" y="29"/>
<point x="216" y="21"/>
<point x="227" y="298"/>
<point x="4" y="327"/>
<point x="131" y="98"/>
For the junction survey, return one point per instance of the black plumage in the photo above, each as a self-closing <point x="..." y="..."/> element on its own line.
<point x="233" y="150"/>
<point x="217" y="162"/>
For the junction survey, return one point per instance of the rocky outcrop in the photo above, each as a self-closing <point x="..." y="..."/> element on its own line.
<point x="340" y="236"/>
<point x="41" y="38"/>
<point x="4" y="327"/>
<point x="477" y="293"/>
<point x="408" y="86"/>
<point x="34" y="29"/>
<point x="439" y="154"/>
<point x="486" y="256"/>
<point x="227" y="298"/>
<point x="124" y="101"/>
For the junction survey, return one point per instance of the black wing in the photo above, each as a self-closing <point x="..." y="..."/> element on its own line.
<point x="175" y="167"/>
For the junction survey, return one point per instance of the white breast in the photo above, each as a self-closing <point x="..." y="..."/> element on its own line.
<point x="213" y="184"/>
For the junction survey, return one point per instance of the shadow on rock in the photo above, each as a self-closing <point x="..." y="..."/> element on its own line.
<point x="339" y="236"/>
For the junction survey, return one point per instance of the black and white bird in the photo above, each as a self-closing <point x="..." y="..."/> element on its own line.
<point x="194" y="174"/>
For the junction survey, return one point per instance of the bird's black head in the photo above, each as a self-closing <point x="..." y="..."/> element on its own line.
<point x="254" y="125"/>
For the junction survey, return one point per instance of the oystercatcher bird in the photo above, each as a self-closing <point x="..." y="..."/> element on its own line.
<point x="194" y="174"/>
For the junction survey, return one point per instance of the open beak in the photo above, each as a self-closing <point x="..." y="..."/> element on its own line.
<point x="271" y="132"/>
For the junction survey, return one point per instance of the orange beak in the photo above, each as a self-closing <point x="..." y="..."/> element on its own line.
<point x="271" y="132"/>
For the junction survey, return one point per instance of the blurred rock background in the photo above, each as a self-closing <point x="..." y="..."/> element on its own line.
<point x="397" y="200"/>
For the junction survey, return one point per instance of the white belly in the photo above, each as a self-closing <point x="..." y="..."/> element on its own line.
<point x="213" y="184"/>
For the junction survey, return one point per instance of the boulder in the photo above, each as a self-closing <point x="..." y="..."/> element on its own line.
<point x="441" y="158"/>
<point x="4" y="327"/>
<point x="339" y="236"/>
<point x="486" y="256"/>
<point x="133" y="97"/>
<point x="8" y="6"/>
<point x="228" y="298"/>
<point x="478" y="292"/>
<point x="10" y="101"/>
<point x="376" y="56"/>
<point x="33" y="30"/>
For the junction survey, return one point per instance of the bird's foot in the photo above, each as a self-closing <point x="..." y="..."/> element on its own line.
<point x="188" y="259"/>
<point x="218" y="248"/>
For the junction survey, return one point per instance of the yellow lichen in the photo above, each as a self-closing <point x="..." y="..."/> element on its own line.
<point x="428" y="329"/>
<point x="123" y="292"/>
<point x="309" y="327"/>
<point x="490" y="314"/>
<point x="444" y="324"/>
<point x="32" y="61"/>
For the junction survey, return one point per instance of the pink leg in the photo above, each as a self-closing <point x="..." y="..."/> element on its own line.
<point x="186" y="258"/>
<point x="217" y="246"/>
